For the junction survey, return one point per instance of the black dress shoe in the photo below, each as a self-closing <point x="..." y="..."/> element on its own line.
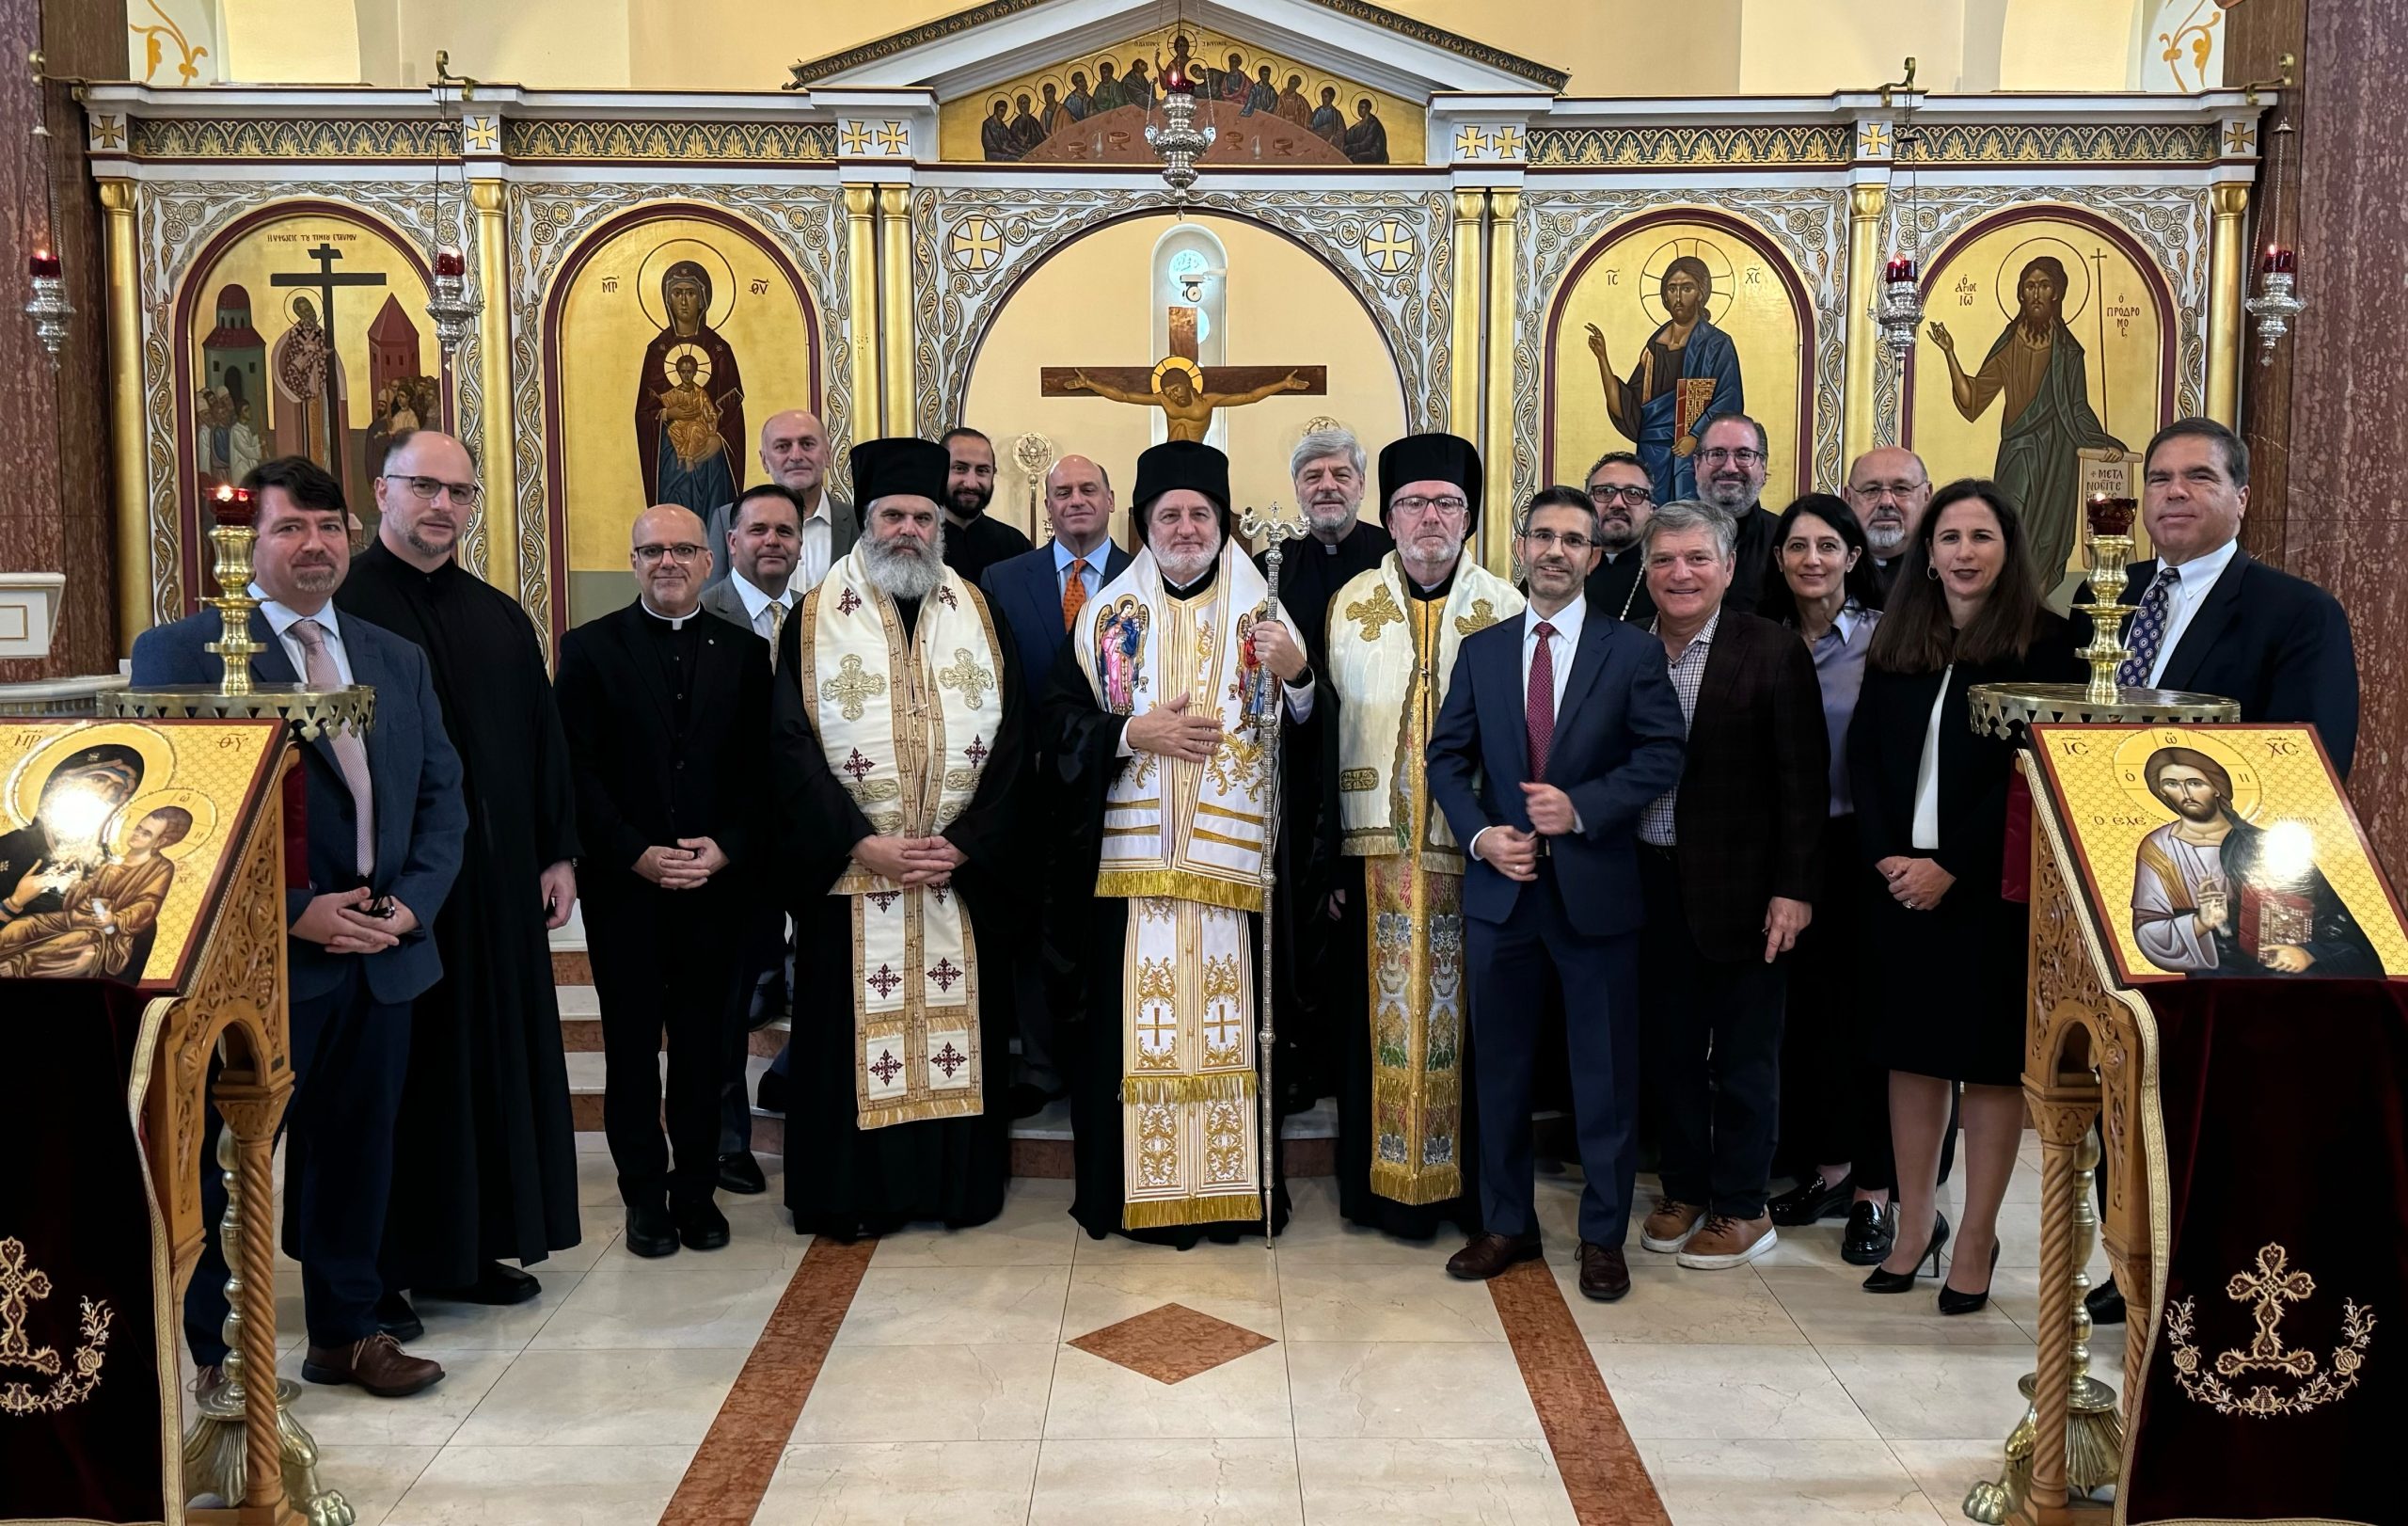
<point x="396" y="1318"/>
<point x="651" y="1231"/>
<point x="1489" y="1254"/>
<point x="1024" y="1099"/>
<point x="700" y="1225"/>
<point x="740" y="1173"/>
<point x="1880" y="1281"/>
<point x="1954" y="1302"/>
<point x="1604" y="1276"/>
<point x="2105" y="1303"/>
<point x="772" y="1093"/>
<point x="1872" y="1229"/>
<point x="494" y="1284"/>
<point x="1812" y="1200"/>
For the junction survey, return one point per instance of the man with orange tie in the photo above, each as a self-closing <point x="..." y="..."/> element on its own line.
<point x="1038" y="593"/>
<point x="1557" y="730"/>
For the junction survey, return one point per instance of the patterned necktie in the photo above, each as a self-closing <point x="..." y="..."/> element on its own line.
<point x="1074" y="591"/>
<point x="350" y="753"/>
<point x="1539" y="712"/>
<point x="777" y="630"/>
<point x="2149" y="629"/>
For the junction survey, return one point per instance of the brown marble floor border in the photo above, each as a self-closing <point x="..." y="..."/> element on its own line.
<point x="739" y="1455"/>
<point x="1594" y="1453"/>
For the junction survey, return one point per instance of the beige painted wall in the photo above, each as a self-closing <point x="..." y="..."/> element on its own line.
<point x="1611" y="47"/>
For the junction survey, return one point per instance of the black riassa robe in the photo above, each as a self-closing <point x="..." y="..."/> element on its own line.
<point x="1619" y="587"/>
<point x="1313" y="1009"/>
<point x="1083" y="741"/>
<point x="484" y="1154"/>
<point x="970" y="549"/>
<point x="842" y="1180"/>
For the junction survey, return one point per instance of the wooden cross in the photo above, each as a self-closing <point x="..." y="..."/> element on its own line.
<point x="2271" y="1286"/>
<point x="323" y="281"/>
<point x="1185" y="391"/>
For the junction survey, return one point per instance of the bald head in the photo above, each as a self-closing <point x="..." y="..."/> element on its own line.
<point x="794" y="452"/>
<point x="425" y="497"/>
<point x="1078" y="503"/>
<point x="667" y="549"/>
<point x="1888" y="489"/>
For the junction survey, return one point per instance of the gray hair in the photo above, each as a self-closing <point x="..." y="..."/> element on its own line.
<point x="1325" y="442"/>
<point x="1689" y="514"/>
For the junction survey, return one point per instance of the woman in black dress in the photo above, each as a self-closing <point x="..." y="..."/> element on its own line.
<point x="1931" y="799"/>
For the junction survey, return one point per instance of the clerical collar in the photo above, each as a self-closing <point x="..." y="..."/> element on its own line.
<point x="674" y="622"/>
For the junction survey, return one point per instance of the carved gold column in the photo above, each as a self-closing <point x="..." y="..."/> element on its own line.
<point x="1462" y="395"/>
<point x="860" y="296"/>
<point x="126" y="453"/>
<point x="1858" y="426"/>
<point x="497" y="427"/>
<point x="1496" y="442"/>
<point x="896" y="317"/>
<point x="2227" y="276"/>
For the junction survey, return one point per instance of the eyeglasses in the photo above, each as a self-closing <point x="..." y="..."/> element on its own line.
<point x="1443" y="507"/>
<point x="682" y="551"/>
<point x="1574" y="542"/>
<point x="1878" y="491"/>
<point x="1720" y="454"/>
<point x="1608" y="493"/>
<point x="464" y="494"/>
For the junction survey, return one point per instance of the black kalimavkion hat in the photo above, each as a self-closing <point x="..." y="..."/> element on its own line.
<point x="1444" y="458"/>
<point x="1182" y="463"/>
<point x="899" y="466"/>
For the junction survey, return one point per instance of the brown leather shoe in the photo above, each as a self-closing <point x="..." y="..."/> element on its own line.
<point x="1489" y="1254"/>
<point x="1671" y="1225"/>
<point x="1603" y="1274"/>
<point x="377" y="1364"/>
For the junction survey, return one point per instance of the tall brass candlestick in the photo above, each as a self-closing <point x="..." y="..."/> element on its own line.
<point x="233" y="538"/>
<point x="2111" y="550"/>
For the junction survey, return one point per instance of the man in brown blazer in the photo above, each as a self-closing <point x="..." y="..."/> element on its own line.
<point x="1727" y="859"/>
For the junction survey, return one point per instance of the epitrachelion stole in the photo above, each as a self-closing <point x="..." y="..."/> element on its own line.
<point x="907" y="725"/>
<point x="1389" y="657"/>
<point x="1182" y="842"/>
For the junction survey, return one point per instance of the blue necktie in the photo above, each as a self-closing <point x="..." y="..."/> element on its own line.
<point x="2149" y="629"/>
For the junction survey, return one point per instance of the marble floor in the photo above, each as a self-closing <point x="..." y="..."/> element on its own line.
<point x="1016" y="1373"/>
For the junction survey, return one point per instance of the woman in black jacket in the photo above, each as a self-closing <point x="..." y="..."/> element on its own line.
<point x="1931" y="796"/>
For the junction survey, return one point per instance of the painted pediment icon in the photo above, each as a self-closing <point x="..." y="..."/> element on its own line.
<point x="1282" y="83"/>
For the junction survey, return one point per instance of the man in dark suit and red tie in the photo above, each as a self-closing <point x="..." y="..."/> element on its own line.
<point x="385" y="821"/>
<point x="1558" y="729"/>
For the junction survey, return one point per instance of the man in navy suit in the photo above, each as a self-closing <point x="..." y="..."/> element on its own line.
<point x="2215" y="620"/>
<point x="1558" y="729"/>
<point x="385" y="822"/>
<point x="1038" y="593"/>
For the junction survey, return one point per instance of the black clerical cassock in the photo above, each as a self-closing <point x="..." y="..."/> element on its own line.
<point x="971" y="548"/>
<point x="1207" y="1117"/>
<point x="665" y="720"/>
<point x="898" y="1117"/>
<point x="485" y="1154"/>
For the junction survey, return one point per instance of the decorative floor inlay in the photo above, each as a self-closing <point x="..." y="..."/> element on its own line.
<point x="1172" y="1343"/>
<point x="1599" y="1463"/>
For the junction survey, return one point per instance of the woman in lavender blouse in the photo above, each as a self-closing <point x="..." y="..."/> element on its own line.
<point x="1835" y="1102"/>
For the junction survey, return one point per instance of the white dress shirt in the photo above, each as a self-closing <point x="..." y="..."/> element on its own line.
<point x="818" y="550"/>
<point x="2198" y="576"/>
<point x="757" y="605"/>
<point x="281" y="620"/>
<point x="1925" y="834"/>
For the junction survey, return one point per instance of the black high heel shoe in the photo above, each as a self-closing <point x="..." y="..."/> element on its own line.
<point x="1878" y="1281"/>
<point x="1954" y="1302"/>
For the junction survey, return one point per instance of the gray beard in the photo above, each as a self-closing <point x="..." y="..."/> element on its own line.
<point x="1325" y="516"/>
<point x="1179" y="571"/>
<point x="905" y="575"/>
<point x="1428" y="574"/>
<point x="1884" y="541"/>
<point x="1732" y="499"/>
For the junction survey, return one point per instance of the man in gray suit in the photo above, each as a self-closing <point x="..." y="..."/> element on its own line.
<point x="794" y="452"/>
<point x="385" y="825"/>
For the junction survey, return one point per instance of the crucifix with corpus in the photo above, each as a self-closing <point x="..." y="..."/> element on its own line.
<point x="1185" y="391"/>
